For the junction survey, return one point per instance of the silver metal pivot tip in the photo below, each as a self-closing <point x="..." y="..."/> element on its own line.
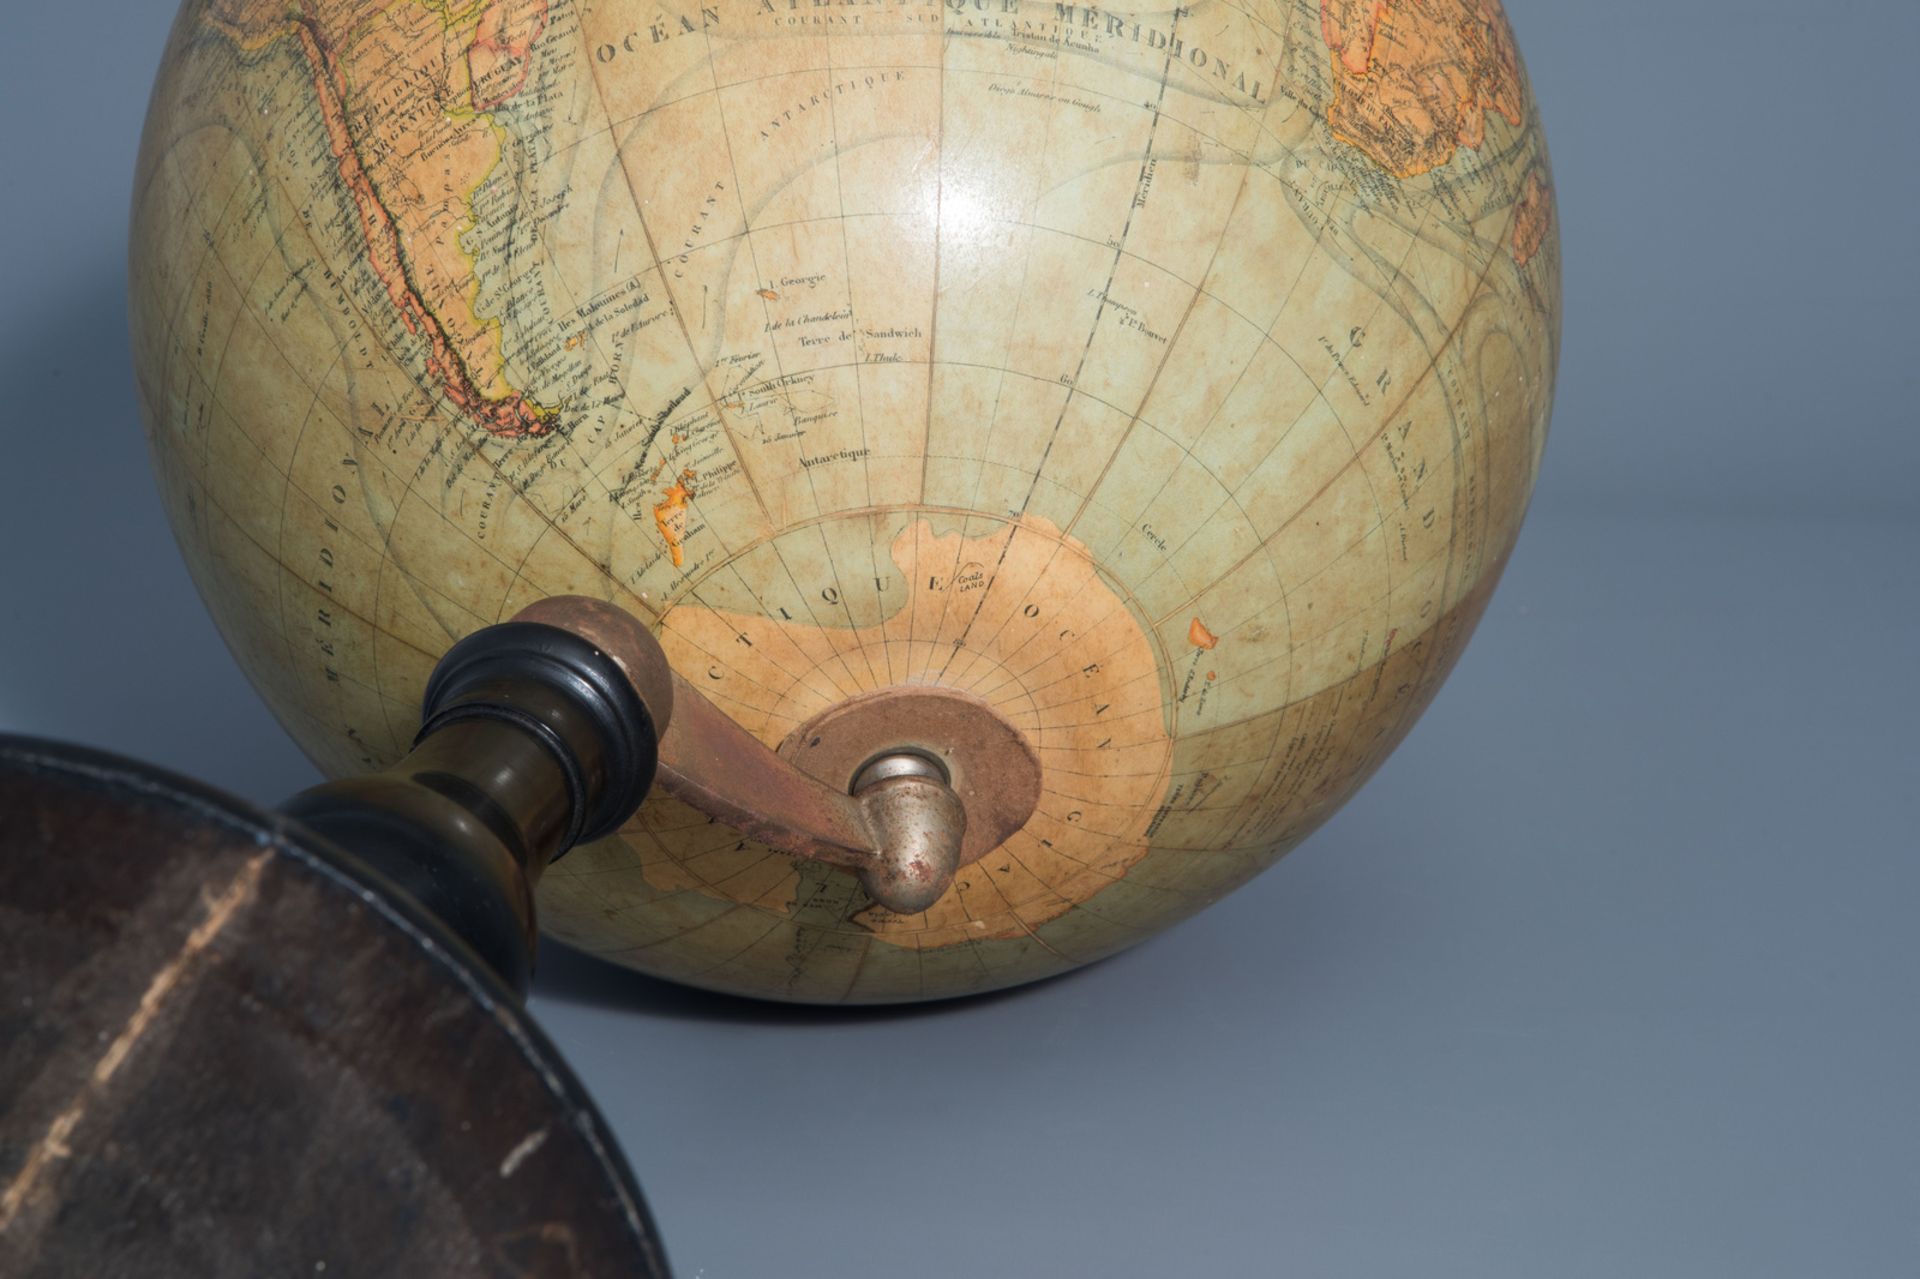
<point x="917" y="823"/>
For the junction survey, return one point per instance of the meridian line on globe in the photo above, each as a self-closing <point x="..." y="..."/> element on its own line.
<point x="846" y="254"/>
<point x="1113" y="270"/>
<point x="939" y="203"/>
<point x="1166" y="356"/>
<point x="1063" y="12"/>
<point x="716" y="402"/>
<point x="933" y="361"/>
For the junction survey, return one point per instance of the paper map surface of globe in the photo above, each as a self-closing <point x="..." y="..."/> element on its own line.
<point x="1173" y="378"/>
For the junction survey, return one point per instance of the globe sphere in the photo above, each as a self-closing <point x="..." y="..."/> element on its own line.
<point x="1172" y="378"/>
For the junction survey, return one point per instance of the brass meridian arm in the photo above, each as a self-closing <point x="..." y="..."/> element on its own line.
<point x="899" y="826"/>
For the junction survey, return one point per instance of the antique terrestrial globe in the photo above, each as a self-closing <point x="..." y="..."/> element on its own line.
<point x="1164" y="385"/>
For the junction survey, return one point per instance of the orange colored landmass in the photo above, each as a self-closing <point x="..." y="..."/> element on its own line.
<point x="1532" y="218"/>
<point x="497" y="64"/>
<point x="1200" y="637"/>
<point x="380" y="74"/>
<point x="1102" y="729"/>
<point x="670" y="517"/>
<point x="1362" y="18"/>
<point x="1414" y="79"/>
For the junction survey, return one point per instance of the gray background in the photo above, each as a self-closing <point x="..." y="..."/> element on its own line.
<point x="1611" y="971"/>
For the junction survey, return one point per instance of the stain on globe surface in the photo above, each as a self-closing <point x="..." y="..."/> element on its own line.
<point x="1172" y="378"/>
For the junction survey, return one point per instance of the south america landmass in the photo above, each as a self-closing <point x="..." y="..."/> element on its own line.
<point x="395" y="82"/>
